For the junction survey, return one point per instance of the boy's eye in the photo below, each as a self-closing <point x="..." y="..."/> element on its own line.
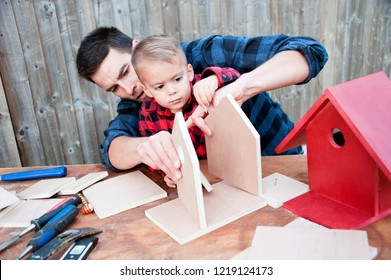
<point x="159" y="87"/>
<point x="178" y="79"/>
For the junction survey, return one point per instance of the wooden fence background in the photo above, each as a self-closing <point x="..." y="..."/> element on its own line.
<point x="48" y="116"/>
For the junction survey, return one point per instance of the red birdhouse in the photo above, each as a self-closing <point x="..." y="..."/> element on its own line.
<point x="348" y="137"/>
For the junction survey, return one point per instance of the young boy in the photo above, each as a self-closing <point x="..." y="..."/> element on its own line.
<point x="171" y="85"/>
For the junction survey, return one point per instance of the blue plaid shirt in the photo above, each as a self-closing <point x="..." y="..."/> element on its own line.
<point x="243" y="54"/>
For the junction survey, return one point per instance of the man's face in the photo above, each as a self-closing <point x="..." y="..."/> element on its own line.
<point x="168" y="82"/>
<point x="116" y="74"/>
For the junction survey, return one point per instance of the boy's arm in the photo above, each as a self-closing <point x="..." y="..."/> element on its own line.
<point x="213" y="78"/>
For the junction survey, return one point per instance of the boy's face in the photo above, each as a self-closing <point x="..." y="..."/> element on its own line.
<point x="168" y="83"/>
<point x="116" y="74"/>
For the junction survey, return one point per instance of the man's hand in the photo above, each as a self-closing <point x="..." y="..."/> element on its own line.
<point x="159" y="152"/>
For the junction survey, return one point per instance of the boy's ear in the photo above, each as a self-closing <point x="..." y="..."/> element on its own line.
<point x="135" y="42"/>
<point x="190" y="70"/>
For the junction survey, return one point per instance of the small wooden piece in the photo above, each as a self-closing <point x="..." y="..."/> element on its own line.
<point x="45" y="188"/>
<point x="22" y="212"/>
<point x="234" y="149"/>
<point x="7" y="198"/>
<point x="278" y="188"/>
<point x="189" y="187"/>
<point x="296" y="243"/>
<point x="83" y="182"/>
<point x="122" y="193"/>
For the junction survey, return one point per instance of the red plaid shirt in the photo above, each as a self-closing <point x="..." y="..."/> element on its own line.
<point x="154" y="118"/>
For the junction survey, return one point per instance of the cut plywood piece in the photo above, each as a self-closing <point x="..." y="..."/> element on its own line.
<point x="234" y="149"/>
<point x="83" y="182"/>
<point x="300" y="223"/>
<point x="22" y="212"/>
<point x="278" y="188"/>
<point x="223" y="205"/>
<point x="45" y="188"/>
<point x="205" y="183"/>
<point x="305" y="243"/>
<point x="189" y="186"/>
<point x="7" y="198"/>
<point x="122" y="193"/>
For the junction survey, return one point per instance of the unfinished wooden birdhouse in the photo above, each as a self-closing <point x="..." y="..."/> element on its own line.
<point x="348" y="137"/>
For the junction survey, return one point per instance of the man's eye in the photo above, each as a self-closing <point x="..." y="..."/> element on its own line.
<point x="126" y="71"/>
<point x="114" y="89"/>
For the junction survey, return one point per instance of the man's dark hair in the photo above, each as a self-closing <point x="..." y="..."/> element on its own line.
<point x="96" y="45"/>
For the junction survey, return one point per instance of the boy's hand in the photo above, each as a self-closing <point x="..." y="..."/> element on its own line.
<point x="170" y="182"/>
<point x="198" y="119"/>
<point x="204" y="90"/>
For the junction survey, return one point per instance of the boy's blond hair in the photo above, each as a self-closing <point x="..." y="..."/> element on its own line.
<point x="157" y="48"/>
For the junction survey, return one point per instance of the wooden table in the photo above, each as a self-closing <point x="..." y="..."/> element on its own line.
<point x="131" y="235"/>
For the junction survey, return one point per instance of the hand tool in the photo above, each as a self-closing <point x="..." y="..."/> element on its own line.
<point x="56" y="225"/>
<point x="35" y="174"/>
<point x="40" y="222"/>
<point x="61" y="240"/>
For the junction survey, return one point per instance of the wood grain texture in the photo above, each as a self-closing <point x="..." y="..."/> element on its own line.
<point x="130" y="235"/>
<point x="234" y="148"/>
<point x="355" y="34"/>
<point x="113" y="196"/>
<point x="83" y="182"/>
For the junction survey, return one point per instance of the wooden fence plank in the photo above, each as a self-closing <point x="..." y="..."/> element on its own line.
<point x="41" y="91"/>
<point x="60" y="94"/>
<point x="9" y="155"/>
<point x="18" y="91"/>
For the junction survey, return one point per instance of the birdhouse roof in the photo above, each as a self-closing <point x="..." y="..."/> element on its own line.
<point x="365" y="105"/>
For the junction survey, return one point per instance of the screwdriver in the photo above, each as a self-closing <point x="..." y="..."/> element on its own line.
<point x="37" y="224"/>
<point x="60" y="171"/>
<point x="56" y="225"/>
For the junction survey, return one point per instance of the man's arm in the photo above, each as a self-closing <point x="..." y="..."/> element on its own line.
<point x="284" y="69"/>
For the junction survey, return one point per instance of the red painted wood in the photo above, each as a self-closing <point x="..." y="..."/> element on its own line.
<point x="356" y="173"/>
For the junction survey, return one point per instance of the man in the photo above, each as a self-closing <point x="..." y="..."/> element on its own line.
<point x="265" y="62"/>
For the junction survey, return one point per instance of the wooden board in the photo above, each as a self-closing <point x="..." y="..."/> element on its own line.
<point x="45" y="188"/>
<point x="234" y="150"/>
<point x="189" y="186"/>
<point x="22" y="212"/>
<point x="223" y="205"/>
<point x="278" y="188"/>
<point x="122" y="193"/>
<point x="296" y="243"/>
<point x="83" y="182"/>
<point x="247" y="254"/>
<point x="7" y="198"/>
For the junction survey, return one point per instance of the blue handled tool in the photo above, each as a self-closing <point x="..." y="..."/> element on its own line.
<point x="38" y="223"/>
<point x="35" y="174"/>
<point x="56" y="225"/>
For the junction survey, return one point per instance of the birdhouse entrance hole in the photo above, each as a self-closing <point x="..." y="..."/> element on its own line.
<point x="338" y="137"/>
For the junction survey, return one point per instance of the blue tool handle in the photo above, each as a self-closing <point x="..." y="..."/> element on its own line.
<point x="56" y="225"/>
<point x="35" y="174"/>
<point x="45" y="218"/>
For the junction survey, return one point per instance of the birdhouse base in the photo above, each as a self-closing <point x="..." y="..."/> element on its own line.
<point x="330" y="213"/>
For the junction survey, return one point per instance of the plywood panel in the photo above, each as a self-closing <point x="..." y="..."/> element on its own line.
<point x="122" y="193"/>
